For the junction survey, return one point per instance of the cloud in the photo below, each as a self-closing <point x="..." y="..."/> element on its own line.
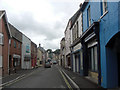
<point x="43" y="21"/>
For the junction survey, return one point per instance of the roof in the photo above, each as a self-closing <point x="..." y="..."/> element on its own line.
<point x="41" y="49"/>
<point x="15" y="33"/>
<point x="75" y="17"/>
<point x="33" y="43"/>
<point x="4" y="16"/>
<point x="84" y="5"/>
<point x="63" y="39"/>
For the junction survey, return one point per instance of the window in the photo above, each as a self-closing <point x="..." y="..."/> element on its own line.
<point x="1" y="39"/>
<point x="81" y="59"/>
<point x="104" y="4"/>
<point x="14" y="44"/>
<point x="89" y="16"/>
<point x="93" y="59"/>
<point x="81" y="23"/>
<point x="73" y="34"/>
<point x="0" y="61"/>
<point x="77" y="30"/>
<point x="18" y="45"/>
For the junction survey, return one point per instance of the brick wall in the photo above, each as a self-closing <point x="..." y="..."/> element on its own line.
<point x="5" y="48"/>
<point x="15" y="50"/>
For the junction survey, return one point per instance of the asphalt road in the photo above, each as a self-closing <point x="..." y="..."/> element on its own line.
<point x="41" y="78"/>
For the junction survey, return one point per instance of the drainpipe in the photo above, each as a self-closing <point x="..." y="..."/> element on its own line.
<point x="8" y="55"/>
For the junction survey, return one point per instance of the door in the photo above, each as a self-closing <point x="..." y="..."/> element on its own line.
<point x="118" y="56"/>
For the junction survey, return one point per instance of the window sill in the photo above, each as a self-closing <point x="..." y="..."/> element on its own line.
<point x="103" y="14"/>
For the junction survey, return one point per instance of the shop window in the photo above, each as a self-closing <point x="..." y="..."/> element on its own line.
<point x="1" y="39"/>
<point x="16" y="62"/>
<point x="81" y="60"/>
<point x="93" y="59"/>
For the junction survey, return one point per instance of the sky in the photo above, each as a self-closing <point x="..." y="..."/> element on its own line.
<point x="43" y="21"/>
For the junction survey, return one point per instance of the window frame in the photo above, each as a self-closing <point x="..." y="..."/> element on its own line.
<point x="94" y="67"/>
<point x="1" y="38"/>
<point x="15" y="44"/>
<point x="104" y="6"/>
<point x="89" y="16"/>
<point x="18" y="45"/>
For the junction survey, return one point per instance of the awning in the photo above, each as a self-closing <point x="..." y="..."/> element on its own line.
<point x="16" y="56"/>
<point x="27" y="56"/>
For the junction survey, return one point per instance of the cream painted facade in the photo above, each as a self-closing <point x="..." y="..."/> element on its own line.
<point x="76" y="32"/>
<point x="67" y="43"/>
<point x="39" y="57"/>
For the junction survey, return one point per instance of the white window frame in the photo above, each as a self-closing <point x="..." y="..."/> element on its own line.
<point x="1" y="38"/>
<point x="89" y="16"/>
<point x="104" y="3"/>
<point x="94" y="60"/>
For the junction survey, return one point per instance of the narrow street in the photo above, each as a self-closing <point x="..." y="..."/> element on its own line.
<point x="41" y="78"/>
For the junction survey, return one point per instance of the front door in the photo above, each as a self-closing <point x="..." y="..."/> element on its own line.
<point x="118" y="56"/>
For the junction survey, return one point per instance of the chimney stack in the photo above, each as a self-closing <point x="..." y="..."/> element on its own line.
<point x="39" y="45"/>
<point x="80" y="5"/>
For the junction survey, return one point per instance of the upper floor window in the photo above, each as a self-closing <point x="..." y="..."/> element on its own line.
<point x="1" y="39"/>
<point x="14" y="44"/>
<point x="104" y="4"/>
<point x="89" y="16"/>
<point x="19" y="46"/>
<point x="80" y="25"/>
<point x="77" y="32"/>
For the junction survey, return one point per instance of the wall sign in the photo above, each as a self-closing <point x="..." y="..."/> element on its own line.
<point x="27" y="49"/>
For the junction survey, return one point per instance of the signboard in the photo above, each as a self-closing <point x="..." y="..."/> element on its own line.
<point x="27" y="49"/>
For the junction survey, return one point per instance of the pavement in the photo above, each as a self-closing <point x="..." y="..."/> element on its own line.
<point x="12" y="77"/>
<point x="81" y="81"/>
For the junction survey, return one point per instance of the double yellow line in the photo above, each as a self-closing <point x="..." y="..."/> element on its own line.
<point x="66" y="81"/>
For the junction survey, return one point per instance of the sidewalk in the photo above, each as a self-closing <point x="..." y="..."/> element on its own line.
<point x="16" y="75"/>
<point x="80" y="80"/>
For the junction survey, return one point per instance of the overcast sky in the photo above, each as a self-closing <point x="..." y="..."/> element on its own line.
<point x="43" y="21"/>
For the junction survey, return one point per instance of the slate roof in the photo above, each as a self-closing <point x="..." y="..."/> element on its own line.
<point x="4" y="16"/>
<point x="15" y="33"/>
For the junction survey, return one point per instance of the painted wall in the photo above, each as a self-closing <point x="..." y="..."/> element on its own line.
<point x="67" y="42"/>
<point x="109" y="26"/>
<point x="26" y="42"/>
<point x="95" y="13"/>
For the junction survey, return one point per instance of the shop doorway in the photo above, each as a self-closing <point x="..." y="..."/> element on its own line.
<point x="113" y="61"/>
<point x="118" y="60"/>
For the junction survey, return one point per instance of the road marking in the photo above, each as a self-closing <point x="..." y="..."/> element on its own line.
<point x="75" y="85"/>
<point x="66" y="81"/>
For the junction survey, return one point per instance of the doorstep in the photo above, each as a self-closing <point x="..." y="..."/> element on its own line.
<point x="91" y="79"/>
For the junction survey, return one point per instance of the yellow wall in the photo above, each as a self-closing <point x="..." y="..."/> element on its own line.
<point x="39" y="55"/>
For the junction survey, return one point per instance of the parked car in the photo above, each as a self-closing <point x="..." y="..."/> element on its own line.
<point x="47" y="65"/>
<point x="49" y="60"/>
<point x="54" y="62"/>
